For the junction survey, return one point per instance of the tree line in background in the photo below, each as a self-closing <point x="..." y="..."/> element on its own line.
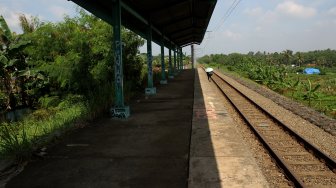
<point x="317" y="58"/>
<point x="283" y="73"/>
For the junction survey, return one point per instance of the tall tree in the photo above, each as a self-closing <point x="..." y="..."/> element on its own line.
<point x="287" y="56"/>
<point x="300" y="58"/>
<point x="29" y="25"/>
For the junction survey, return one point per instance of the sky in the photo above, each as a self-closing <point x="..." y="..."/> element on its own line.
<point x="252" y="25"/>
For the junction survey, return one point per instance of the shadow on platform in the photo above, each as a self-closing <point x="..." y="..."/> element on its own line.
<point x="203" y="165"/>
<point x="149" y="149"/>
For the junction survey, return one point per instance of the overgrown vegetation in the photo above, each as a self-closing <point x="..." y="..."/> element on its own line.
<point x="62" y="72"/>
<point x="19" y="139"/>
<point x="283" y="73"/>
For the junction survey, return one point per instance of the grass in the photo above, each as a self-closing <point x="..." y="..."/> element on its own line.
<point x="20" y="139"/>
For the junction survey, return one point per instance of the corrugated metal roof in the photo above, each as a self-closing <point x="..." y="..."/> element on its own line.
<point x="182" y="22"/>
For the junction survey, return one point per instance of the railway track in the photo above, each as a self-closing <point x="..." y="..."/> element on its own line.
<point x="301" y="161"/>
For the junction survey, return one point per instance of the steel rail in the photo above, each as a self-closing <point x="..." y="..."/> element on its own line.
<point x="330" y="162"/>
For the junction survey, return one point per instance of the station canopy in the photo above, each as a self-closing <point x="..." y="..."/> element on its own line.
<point x="178" y="22"/>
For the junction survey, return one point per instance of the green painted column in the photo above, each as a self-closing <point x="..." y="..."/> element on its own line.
<point x="119" y="110"/>
<point x="171" y="74"/>
<point x="192" y="57"/>
<point x="178" y="59"/>
<point x="150" y="90"/>
<point x="175" y="70"/>
<point x="181" y="57"/>
<point x="163" y="66"/>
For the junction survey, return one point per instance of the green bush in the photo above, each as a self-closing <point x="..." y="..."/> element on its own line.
<point x="66" y="73"/>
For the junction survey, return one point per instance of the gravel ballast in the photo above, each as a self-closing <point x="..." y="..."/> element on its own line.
<point x="313" y="126"/>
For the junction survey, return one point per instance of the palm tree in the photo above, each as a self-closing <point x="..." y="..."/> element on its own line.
<point x="287" y="55"/>
<point x="300" y="58"/>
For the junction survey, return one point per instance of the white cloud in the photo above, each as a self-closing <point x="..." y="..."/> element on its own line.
<point x="269" y="17"/>
<point x="12" y="20"/>
<point x="11" y="17"/>
<point x="59" y="11"/>
<point x="258" y="29"/>
<point x="332" y="11"/>
<point x="296" y="10"/>
<point x="254" y="11"/>
<point x="231" y="35"/>
<point x="326" y="24"/>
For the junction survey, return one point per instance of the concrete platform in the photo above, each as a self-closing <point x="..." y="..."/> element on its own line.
<point x="149" y="149"/>
<point x="180" y="137"/>
<point x="218" y="157"/>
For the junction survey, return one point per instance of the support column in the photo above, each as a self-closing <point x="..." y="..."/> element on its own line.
<point x="150" y="90"/>
<point x="171" y="74"/>
<point x="119" y="110"/>
<point x="192" y="57"/>
<point x="178" y="59"/>
<point x="175" y="71"/>
<point x="181" y="57"/>
<point x="163" y="66"/>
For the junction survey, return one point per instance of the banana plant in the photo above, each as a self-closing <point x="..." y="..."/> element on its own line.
<point x="294" y="86"/>
<point x="6" y="76"/>
<point x="12" y="61"/>
<point x="310" y="92"/>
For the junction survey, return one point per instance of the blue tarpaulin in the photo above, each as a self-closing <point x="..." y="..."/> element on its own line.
<point x="311" y="71"/>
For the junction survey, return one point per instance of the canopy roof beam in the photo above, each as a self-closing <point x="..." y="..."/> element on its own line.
<point x="166" y="16"/>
